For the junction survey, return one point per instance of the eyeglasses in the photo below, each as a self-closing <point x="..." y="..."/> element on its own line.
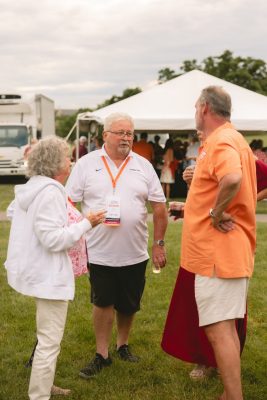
<point x="121" y="134"/>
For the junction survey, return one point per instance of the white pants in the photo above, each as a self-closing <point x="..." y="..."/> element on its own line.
<point x="50" y="321"/>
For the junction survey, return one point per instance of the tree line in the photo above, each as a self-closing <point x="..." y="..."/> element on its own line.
<point x="246" y="72"/>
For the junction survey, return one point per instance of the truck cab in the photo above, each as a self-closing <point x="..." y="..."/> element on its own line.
<point x="14" y="138"/>
<point x="20" y="122"/>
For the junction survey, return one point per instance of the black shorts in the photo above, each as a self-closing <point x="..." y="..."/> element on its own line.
<point x="121" y="287"/>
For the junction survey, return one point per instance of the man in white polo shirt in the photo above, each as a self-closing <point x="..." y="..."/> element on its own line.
<point x="120" y="181"/>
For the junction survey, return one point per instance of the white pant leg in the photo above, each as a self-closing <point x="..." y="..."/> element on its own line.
<point x="50" y="320"/>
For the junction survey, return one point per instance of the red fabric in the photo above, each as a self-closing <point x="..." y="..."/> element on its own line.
<point x="261" y="172"/>
<point x="173" y="166"/>
<point x="81" y="152"/>
<point x="182" y="337"/>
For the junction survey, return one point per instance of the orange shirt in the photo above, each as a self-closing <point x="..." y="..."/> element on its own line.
<point x="144" y="149"/>
<point x="205" y="250"/>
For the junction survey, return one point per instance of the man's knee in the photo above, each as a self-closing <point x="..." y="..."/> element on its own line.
<point x="220" y="331"/>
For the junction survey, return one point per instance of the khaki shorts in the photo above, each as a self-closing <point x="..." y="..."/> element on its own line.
<point x="220" y="299"/>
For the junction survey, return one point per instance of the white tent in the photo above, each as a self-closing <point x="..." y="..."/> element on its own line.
<point x="170" y="107"/>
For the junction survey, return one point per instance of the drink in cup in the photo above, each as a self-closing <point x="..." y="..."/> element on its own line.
<point x="176" y="209"/>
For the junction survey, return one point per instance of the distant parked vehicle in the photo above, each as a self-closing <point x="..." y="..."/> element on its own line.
<point x="20" y="122"/>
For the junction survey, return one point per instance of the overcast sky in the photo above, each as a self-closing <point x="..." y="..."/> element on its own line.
<point x="81" y="52"/>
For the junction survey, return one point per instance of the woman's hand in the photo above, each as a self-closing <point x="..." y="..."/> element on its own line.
<point x="97" y="217"/>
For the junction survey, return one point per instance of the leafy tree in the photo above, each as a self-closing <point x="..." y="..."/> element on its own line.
<point x="114" y="99"/>
<point x="166" y="74"/>
<point x="247" y="72"/>
<point x="64" y="123"/>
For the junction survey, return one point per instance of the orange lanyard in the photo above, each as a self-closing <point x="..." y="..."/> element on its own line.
<point x="115" y="180"/>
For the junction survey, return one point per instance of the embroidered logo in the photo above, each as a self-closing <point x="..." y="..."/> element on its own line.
<point x="202" y="155"/>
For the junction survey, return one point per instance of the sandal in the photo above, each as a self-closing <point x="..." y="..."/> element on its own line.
<point x="201" y="372"/>
<point x="55" y="391"/>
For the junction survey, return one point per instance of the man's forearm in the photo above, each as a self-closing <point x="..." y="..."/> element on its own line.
<point x="262" y="195"/>
<point x="228" y="188"/>
<point x="160" y="220"/>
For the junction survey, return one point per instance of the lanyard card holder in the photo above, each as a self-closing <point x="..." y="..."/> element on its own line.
<point x="113" y="215"/>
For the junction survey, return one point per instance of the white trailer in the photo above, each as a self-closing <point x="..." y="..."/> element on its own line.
<point x="20" y="121"/>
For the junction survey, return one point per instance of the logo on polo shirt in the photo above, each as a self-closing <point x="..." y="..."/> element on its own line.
<point x="98" y="169"/>
<point x="202" y="155"/>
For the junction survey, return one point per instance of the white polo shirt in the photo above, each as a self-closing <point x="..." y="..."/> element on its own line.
<point x="90" y="184"/>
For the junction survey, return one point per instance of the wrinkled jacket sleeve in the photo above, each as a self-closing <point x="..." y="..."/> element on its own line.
<point x="50" y="222"/>
<point x="10" y="210"/>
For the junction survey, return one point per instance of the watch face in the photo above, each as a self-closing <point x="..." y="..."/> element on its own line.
<point x="159" y="242"/>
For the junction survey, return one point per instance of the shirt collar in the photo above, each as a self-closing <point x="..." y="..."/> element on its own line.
<point x="103" y="152"/>
<point x="226" y="125"/>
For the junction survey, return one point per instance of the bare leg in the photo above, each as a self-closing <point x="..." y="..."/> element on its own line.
<point x="124" y="324"/>
<point x="164" y="188"/>
<point x="224" y="340"/>
<point x="103" y="322"/>
<point x="168" y="190"/>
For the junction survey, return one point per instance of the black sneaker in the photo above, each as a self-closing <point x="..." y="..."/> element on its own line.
<point x="126" y="355"/>
<point x="95" y="366"/>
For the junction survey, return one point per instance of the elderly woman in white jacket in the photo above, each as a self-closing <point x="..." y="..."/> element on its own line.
<point x="37" y="262"/>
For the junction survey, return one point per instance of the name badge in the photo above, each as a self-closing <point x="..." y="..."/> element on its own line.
<point x="113" y="215"/>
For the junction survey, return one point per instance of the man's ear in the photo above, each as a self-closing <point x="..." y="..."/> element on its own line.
<point x="205" y="108"/>
<point x="104" y="135"/>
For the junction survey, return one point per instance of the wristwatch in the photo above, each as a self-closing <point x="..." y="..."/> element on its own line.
<point x="159" y="242"/>
<point x="212" y="213"/>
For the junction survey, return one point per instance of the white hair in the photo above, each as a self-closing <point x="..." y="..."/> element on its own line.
<point x="83" y="139"/>
<point x="114" y="117"/>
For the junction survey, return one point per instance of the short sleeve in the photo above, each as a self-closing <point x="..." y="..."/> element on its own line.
<point x="225" y="159"/>
<point x="75" y="183"/>
<point x="155" y="192"/>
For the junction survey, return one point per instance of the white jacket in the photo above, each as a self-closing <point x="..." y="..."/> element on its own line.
<point x="37" y="261"/>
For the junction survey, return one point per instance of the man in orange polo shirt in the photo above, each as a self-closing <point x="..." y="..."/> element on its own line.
<point x="143" y="148"/>
<point x="218" y="239"/>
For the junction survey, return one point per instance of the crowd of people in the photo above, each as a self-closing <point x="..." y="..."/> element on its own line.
<point x="169" y="161"/>
<point x="207" y="315"/>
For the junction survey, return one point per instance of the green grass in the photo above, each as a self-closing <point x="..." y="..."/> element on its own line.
<point x="261" y="206"/>
<point x="7" y="194"/>
<point x="158" y="376"/>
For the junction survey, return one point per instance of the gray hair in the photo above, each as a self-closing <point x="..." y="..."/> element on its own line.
<point x="114" y="117"/>
<point x="47" y="157"/>
<point x="83" y="139"/>
<point x="218" y="99"/>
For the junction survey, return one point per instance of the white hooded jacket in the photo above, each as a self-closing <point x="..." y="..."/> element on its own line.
<point x="37" y="261"/>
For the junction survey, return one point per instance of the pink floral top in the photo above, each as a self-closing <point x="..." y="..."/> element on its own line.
<point x="77" y="253"/>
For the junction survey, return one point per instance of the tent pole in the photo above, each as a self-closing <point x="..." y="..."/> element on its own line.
<point x="70" y="132"/>
<point x="77" y="139"/>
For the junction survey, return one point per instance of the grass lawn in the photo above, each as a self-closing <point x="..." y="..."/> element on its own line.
<point x="7" y="194"/>
<point x="157" y="376"/>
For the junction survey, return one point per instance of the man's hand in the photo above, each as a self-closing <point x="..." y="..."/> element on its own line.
<point x="158" y="256"/>
<point x="188" y="174"/>
<point x="176" y="209"/>
<point x="223" y="223"/>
